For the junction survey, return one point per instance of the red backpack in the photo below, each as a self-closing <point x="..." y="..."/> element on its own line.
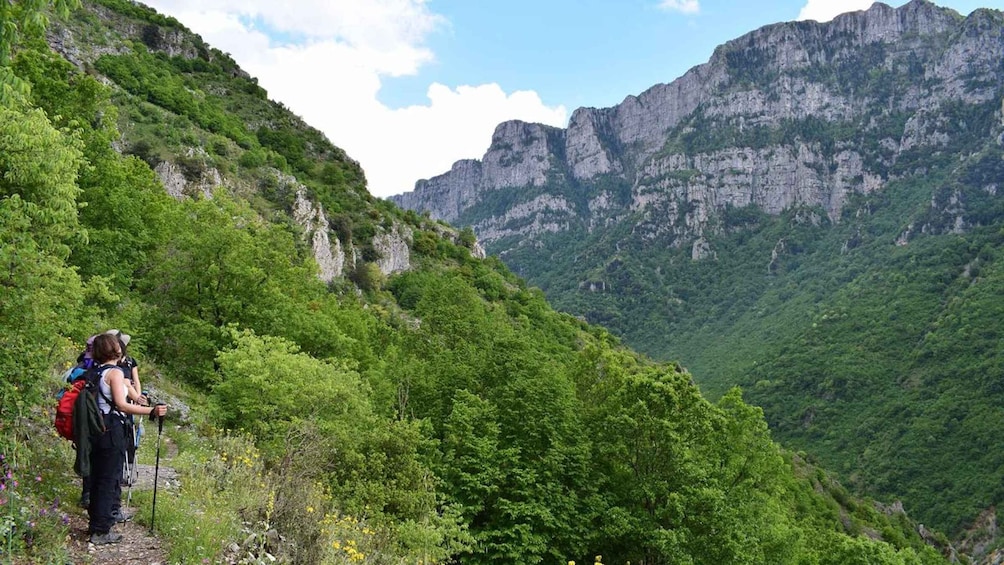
<point x="77" y="377"/>
<point x="80" y="400"/>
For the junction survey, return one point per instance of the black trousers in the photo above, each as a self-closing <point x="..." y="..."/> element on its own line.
<point x="130" y="454"/>
<point x="107" y="456"/>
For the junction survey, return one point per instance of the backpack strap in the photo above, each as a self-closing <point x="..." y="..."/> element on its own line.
<point x="100" y="372"/>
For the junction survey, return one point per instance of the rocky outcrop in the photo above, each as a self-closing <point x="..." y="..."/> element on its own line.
<point x="449" y="194"/>
<point x="799" y="114"/>
<point x="180" y="182"/>
<point x="740" y="177"/>
<point x="394" y="249"/>
<point x="168" y="36"/>
<point x="585" y="150"/>
<point x="310" y="217"/>
<point x="521" y="155"/>
<point x="546" y="214"/>
<point x="982" y="538"/>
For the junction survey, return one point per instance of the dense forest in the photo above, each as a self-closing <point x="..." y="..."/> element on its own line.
<point x="883" y="361"/>
<point x="866" y="330"/>
<point x="861" y="338"/>
<point x="444" y="413"/>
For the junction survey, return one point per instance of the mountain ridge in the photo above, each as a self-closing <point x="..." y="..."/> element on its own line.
<point x="423" y="403"/>
<point x="622" y="140"/>
<point x="811" y="186"/>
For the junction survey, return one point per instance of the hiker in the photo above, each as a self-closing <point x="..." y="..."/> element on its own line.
<point x="108" y="449"/>
<point x="130" y="368"/>
<point x="86" y="359"/>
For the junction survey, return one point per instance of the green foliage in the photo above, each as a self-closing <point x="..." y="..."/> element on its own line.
<point x="42" y="296"/>
<point x="444" y="414"/>
<point x="288" y="143"/>
<point x="132" y="10"/>
<point x="367" y="276"/>
<point x="370" y="465"/>
<point x="32" y="523"/>
<point x="19" y="19"/>
<point x="155" y="79"/>
<point x="122" y="204"/>
<point x="223" y="265"/>
<point x="266" y="385"/>
<point x="467" y="238"/>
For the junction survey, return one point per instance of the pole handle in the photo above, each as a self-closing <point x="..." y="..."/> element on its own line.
<point x="160" y="419"/>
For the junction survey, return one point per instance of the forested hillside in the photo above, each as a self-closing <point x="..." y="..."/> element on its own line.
<point x="432" y="408"/>
<point x="814" y="215"/>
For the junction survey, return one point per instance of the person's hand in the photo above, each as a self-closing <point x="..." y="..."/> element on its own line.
<point x="158" y="411"/>
<point x="142" y="400"/>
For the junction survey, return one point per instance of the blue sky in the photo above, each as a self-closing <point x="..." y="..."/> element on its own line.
<point x="407" y="87"/>
<point x="577" y="53"/>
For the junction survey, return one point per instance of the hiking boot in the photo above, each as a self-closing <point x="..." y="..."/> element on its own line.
<point x="122" y="516"/>
<point x="105" y="538"/>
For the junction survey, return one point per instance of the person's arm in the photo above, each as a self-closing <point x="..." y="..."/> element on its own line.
<point x="114" y="377"/>
<point x="131" y="392"/>
<point x="138" y="388"/>
<point x="133" y="389"/>
<point x="135" y="379"/>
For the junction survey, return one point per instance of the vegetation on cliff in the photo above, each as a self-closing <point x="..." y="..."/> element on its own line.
<point x="446" y="413"/>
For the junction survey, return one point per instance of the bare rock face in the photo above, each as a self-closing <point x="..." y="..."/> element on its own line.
<point x="546" y="213"/>
<point x="740" y="177"/>
<point x="521" y="155"/>
<point x="799" y="114"/>
<point x="981" y="538"/>
<point x="587" y="154"/>
<point x="394" y="249"/>
<point x="170" y="176"/>
<point x="445" y="197"/>
<point x="310" y="216"/>
<point x="180" y="182"/>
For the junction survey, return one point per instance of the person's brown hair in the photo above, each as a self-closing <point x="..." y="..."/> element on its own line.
<point x="106" y="349"/>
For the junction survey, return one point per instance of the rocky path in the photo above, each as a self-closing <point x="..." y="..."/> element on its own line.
<point x="138" y="545"/>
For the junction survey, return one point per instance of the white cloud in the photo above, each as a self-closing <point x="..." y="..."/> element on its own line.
<point x="685" y="6"/>
<point x="332" y="73"/>
<point x="826" y="10"/>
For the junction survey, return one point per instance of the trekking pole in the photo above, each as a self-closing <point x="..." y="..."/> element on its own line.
<point x="131" y="468"/>
<point x="156" y="468"/>
<point x="128" y="473"/>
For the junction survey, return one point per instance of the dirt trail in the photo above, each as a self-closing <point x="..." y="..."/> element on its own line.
<point x="138" y="545"/>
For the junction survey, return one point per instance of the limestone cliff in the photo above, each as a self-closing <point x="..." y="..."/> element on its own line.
<point x="793" y="114"/>
<point x="310" y="217"/>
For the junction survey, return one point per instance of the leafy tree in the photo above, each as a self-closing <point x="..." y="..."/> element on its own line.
<point x="266" y="385"/>
<point x="223" y="265"/>
<point x="123" y="206"/>
<point x="41" y="302"/>
<point x="17" y="19"/>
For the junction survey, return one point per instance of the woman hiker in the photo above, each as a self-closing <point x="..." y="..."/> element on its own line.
<point x="108" y="451"/>
<point x="130" y="369"/>
<point x="134" y="395"/>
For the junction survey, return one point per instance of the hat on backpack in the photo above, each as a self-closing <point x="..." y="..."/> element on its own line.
<point x="123" y="337"/>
